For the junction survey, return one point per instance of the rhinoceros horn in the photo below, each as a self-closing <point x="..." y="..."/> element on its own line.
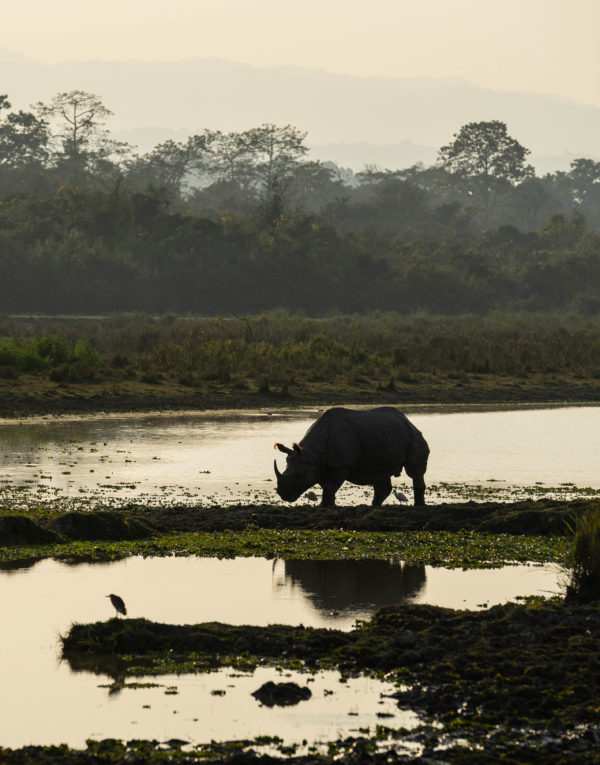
<point x="277" y="473"/>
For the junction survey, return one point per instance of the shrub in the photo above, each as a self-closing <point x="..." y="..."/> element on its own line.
<point x="585" y="571"/>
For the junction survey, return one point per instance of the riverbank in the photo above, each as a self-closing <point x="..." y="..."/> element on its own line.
<point x="29" y="395"/>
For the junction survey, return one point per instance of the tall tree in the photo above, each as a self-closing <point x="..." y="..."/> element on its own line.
<point x="81" y="142"/>
<point x="232" y="157"/>
<point x="486" y="159"/>
<point x="277" y="152"/>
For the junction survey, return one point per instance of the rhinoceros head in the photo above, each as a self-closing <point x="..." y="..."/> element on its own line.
<point x="299" y="475"/>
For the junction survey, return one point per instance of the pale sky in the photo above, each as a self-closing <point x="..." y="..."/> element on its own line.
<point x="544" y="46"/>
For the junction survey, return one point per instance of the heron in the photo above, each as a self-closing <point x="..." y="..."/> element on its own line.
<point x="400" y="496"/>
<point x="118" y="603"/>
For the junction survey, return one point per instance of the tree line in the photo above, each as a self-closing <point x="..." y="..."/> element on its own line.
<point x="88" y="250"/>
<point x="480" y="180"/>
<point x="244" y="222"/>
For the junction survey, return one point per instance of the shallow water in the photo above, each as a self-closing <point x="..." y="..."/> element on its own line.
<point x="214" y="458"/>
<point x="222" y="458"/>
<point x="40" y="602"/>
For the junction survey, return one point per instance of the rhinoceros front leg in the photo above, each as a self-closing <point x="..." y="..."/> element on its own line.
<point x="331" y="484"/>
<point x="416" y="465"/>
<point x="381" y="490"/>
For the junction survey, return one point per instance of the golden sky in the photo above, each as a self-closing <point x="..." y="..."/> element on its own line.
<point x="545" y="46"/>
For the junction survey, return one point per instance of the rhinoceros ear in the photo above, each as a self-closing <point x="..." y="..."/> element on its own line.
<point x="282" y="448"/>
<point x="297" y="447"/>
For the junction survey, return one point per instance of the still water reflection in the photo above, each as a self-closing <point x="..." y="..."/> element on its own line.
<point x="222" y="458"/>
<point x="334" y="586"/>
<point x="40" y="602"/>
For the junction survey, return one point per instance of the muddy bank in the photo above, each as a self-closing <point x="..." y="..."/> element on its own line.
<point x="532" y="517"/>
<point x="535" y="517"/>
<point x="44" y="397"/>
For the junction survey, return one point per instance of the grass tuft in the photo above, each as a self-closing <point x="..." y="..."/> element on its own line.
<point x="585" y="573"/>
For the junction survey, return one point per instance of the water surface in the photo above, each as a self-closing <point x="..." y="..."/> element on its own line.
<point x="213" y="458"/>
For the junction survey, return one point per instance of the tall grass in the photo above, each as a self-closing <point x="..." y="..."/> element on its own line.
<point x="280" y="345"/>
<point x="584" y="585"/>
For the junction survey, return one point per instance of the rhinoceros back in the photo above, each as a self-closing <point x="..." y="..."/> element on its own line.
<point x="371" y="443"/>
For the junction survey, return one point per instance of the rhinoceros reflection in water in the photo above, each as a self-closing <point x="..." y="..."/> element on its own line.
<point x="355" y="585"/>
<point x="363" y="447"/>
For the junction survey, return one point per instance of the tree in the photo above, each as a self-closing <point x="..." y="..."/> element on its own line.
<point x="232" y="157"/>
<point x="584" y="178"/>
<point x="486" y="159"/>
<point x="23" y="138"/>
<point x="23" y="150"/>
<point x="170" y="165"/>
<point x="315" y="185"/>
<point x="578" y="189"/>
<point x="81" y="143"/>
<point x="277" y="152"/>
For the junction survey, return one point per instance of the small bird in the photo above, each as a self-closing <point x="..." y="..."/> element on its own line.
<point x="119" y="604"/>
<point x="400" y="496"/>
<point x="311" y="495"/>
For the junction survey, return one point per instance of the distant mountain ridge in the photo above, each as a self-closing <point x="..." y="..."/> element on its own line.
<point x="391" y="118"/>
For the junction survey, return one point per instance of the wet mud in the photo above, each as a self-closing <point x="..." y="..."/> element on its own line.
<point x="530" y="517"/>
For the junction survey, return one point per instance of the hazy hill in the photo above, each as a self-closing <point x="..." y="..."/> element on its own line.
<point x="392" y="122"/>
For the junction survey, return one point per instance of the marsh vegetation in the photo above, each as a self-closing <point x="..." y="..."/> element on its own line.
<point x="140" y="362"/>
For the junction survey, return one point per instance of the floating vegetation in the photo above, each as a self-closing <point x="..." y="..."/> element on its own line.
<point x="438" y="548"/>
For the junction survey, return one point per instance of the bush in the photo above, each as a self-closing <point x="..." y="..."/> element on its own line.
<point x="585" y="572"/>
<point x="51" y="352"/>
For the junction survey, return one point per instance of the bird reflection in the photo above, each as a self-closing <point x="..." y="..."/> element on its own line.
<point x="338" y="585"/>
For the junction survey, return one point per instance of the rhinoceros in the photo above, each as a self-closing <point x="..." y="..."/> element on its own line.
<point x="364" y="447"/>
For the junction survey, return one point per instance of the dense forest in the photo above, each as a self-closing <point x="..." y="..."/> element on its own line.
<point x="244" y="222"/>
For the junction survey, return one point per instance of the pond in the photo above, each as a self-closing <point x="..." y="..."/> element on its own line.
<point x="40" y="603"/>
<point x="222" y="458"/>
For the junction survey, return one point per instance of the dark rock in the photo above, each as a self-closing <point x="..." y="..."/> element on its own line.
<point x="281" y="694"/>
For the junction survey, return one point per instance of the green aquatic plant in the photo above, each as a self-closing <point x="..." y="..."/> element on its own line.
<point x="437" y="548"/>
